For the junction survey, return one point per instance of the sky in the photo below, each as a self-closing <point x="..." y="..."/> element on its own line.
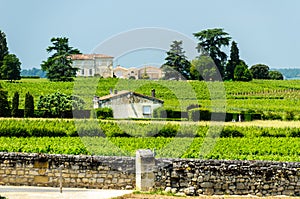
<point x="267" y="31"/>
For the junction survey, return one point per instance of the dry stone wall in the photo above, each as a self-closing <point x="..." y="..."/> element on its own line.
<point x="184" y="176"/>
<point x="77" y="171"/>
<point x="208" y="177"/>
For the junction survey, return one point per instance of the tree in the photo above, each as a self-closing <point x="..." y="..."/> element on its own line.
<point x="276" y="75"/>
<point x="210" y="43"/>
<point x="260" y="71"/>
<point x="11" y="68"/>
<point x="203" y="68"/>
<point x="57" y="103"/>
<point x="59" y="65"/>
<point x="242" y="73"/>
<point x="233" y="61"/>
<point x="4" y="104"/>
<point x="3" y="47"/>
<point x="145" y="75"/>
<point x="29" y="105"/>
<point x="15" y="105"/>
<point x="177" y="65"/>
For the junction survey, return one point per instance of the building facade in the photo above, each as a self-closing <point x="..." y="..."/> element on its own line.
<point x="146" y="72"/>
<point x="128" y="104"/>
<point x="93" y="65"/>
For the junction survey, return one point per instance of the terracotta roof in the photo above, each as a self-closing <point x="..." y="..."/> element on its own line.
<point x="125" y="92"/>
<point x="89" y="56"/>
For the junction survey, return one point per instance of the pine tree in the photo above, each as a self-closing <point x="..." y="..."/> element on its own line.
<point x="59" y="65"/>
<point x="210" y="43"/>
<point x="15" y="105"/>
<point x="233" y="61"/>
<point x="29" y="105"/>
<point x="177" y="66"/>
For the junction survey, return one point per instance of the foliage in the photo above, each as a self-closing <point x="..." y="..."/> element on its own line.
<point x="11" y="68"/>
<point x="260" y="71"/>
<point x="232" y="62"/>
<point x="59" y="65"/>
<point x="57" y="103"/>
<point x="203" y="68"/>
<point x="15" y="105"/>
<point x="177" y="66"/>
<point x="242" y="73"/>
<point x="210" y="43"/>
<point x="276" y="75"/>
<point x="29" y="105"/>
<point x="231" y="148"/>
<point x="4" y="104"/>
<point x="3" y="47"/>
<point x="104" y="113"/>
<point x="259" y="95"/>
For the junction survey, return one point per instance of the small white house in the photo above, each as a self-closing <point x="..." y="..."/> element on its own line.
<point x="128" y="104"/>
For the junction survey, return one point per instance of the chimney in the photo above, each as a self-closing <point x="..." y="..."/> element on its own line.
<point x="153" y="92"/>
<point x="116" y="92"/>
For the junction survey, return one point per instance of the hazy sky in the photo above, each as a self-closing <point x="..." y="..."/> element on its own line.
<point x="267" y="31"/>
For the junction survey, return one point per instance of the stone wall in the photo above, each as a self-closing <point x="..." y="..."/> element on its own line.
<point x="184" y="176"/>
<point x="77" y="171"/>
<point x="195" y="177"/>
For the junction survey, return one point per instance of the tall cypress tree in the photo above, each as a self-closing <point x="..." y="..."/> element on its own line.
<point x="232" y="62"/>
<point x="29" y="105"/>
<point x="3" y="47"/>
<point x="15" y="105"/>
<point x="4" y="104"/>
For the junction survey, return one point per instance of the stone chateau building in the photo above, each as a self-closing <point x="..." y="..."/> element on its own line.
<point x="93" y="64"/>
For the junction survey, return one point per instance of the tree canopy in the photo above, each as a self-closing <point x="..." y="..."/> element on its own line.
<point x="276" y="75"/>
<point x="210" y="43"/>
<point x="203" y="68"/>
<point x="242" y="73"/>
<point x="57" y="103"/>
<point x="260" y="71"/>
<point x="177" y="65"/>
<point x="59" y="65"/>
<point x="11" y="68"/>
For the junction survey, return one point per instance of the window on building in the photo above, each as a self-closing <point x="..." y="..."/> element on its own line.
<point x="82" y="72"/>
<point x="91" y="71"/>
<point x="146" y="110"/>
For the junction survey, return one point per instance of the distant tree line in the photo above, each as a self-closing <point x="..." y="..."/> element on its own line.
<point x="212" y="63"/>
<point x="34" y="72"/>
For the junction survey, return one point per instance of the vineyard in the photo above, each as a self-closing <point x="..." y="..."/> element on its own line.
<point x="263" y="95"/>
<point x="277" y="149"/>
<point x="259" y="140"/>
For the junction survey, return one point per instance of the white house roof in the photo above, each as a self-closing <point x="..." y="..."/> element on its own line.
<point x="125" y="92"/>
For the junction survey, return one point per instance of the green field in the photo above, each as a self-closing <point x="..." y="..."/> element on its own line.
<point x="262" y="95"/>
<point x="258" y="140"/>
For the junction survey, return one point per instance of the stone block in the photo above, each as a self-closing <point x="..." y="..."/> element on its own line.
<point x="41" y="164"/>
<point x="41" y="179"/>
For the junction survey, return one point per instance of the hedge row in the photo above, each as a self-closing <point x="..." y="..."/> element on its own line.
<point x="200" y="114"/>
<point x="74" y="128"/>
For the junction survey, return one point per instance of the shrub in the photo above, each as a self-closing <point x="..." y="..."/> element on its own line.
<point x="199" y="114"/>
<point x="168" y="130"/>
<point x="104" y="113"/>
